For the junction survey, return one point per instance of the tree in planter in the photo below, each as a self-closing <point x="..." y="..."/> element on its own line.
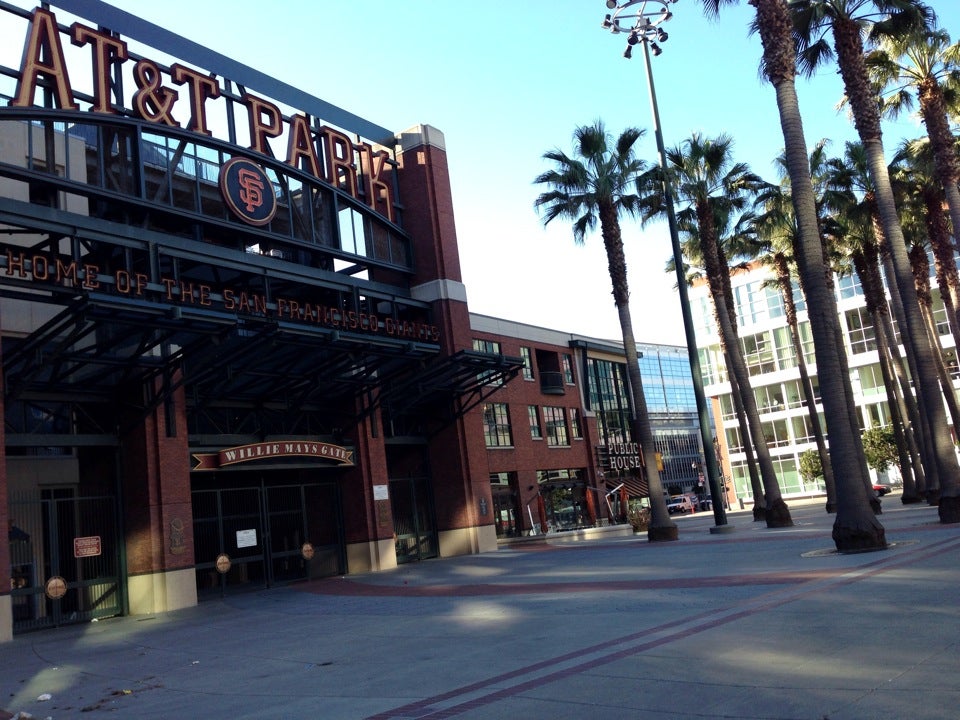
<point x="879" y="445"/>
<point x="811" y="467"/>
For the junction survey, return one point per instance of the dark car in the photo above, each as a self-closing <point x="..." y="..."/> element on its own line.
<point x="881" y="489"/>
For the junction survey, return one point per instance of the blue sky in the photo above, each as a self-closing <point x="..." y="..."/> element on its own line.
<point x="507" y="80"/>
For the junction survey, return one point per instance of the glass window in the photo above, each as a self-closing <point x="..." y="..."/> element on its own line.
<point x="575" y="428"/>
<point x="496" y="425"/>
<point x="734" y="443"/>
<point x="527" y="363"/>
<point x="758" y="353"/>
<point x="849" y="286"/>
<point x="535" y="432"/>
<point x="555" y="420"/>
<point x="775" y="433"/>
<point x="567" y="361"/>
<point x="871" y="380"/>
<point x="786" y="356"/>
<point x="769" y="398"/>
<point x="493" y="348"/>
<point x="608" y="398"/>
<point x="802" y="429"/>
<point x="860" y="331"/>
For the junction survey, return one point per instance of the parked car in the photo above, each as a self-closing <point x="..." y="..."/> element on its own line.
<point x="881" y="489"/>
<point x="679" y="504"/>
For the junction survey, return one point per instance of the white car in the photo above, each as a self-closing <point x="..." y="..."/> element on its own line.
<point x="679" y="504"/>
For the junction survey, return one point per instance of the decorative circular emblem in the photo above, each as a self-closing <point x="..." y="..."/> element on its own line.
<point x="56" y="587"/>
<point x="248" y="191"/>
<point x="307" y="551"/>
<point x="223" y="563"/>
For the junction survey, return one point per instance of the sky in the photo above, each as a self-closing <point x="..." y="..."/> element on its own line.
<point x="508" y="80"/>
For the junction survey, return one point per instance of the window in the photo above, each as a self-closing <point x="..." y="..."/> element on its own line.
<point x="555" y="420"/>
<point x="802" y="429"/>
<point x="769" y="398"/>
<point x="527" y="363"/>
<point x="775" y="433"/>
<point x="608" y="399"/>
<point x="496" y="425"/>
<point x="871" y="380"/>
<point x="493" y="348"/>
<point x="860" y="331"/>
<point x="734" y="443"/>
<point x="575" y="429"/>
<point x="567" y="361"/>
<point x="758" y="353"/>
<point x="849" y="286"/>
<point x="786" y="356"/>
<point x="535" y="431"/>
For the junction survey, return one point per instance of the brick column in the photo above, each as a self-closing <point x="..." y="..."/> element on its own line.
<point x="457" y="455"/>
<point x="6" y="606"/>
<point x="155" y="467"/>
<point x="368" y="522"/>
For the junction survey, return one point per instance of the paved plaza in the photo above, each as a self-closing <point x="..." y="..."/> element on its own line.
<point x="755" y="624"/>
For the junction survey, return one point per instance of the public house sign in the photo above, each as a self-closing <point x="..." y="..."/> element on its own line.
<point x="324" y="152"/>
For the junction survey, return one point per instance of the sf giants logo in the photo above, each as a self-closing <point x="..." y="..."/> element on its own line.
<point x="247" y="191"/>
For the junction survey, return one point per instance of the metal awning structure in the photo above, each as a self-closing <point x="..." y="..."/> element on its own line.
<point x="636" y="486"/>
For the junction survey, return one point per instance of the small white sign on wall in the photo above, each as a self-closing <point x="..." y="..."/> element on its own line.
<point x="381" y="492"/>
<point x="246" y="538"/>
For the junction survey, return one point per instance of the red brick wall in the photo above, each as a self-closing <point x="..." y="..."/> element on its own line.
<point x="4" y="501"/>
<point x="527" y="455"/>
<point x="156" y="494"/>
<point x="365" y="519"/>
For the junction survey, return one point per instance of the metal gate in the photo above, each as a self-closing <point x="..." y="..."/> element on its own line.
<point x="413" y="525"/>
<point x="64" y="559"/>
<point x="260" y="536"/>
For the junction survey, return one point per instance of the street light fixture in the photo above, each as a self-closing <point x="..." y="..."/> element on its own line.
<point x="641" y="20"/>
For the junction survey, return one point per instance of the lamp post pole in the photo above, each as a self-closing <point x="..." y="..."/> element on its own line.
<point x="642" y="19"/>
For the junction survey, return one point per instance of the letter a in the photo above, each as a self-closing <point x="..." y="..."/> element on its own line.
<point x="43" y="40"/>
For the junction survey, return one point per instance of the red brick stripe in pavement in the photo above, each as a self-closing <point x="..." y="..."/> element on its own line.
<point x="349" y="587"/>
<point x="460" y="700"/>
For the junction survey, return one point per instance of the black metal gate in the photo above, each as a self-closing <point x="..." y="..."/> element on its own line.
<point x="413" y="524"/>
<point x="264" y="535"/>
<point x="64" y="559"/>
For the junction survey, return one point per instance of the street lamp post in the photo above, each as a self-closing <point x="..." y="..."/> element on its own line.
<point x="641" y="20"/>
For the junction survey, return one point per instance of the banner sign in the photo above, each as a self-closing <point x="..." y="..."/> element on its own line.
<point x="273" y="451"/>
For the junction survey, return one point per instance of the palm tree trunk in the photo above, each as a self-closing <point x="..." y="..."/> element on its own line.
<point x="776" y="512"/>
<point x="756" y="487"/>
<point x="909" y="410"/>
<point x="933" y="110"/>
<point x="866" y="115"/>
<point x="898" y="422"/>
<point x="921" y="278"/>
<point x="856" y="526"/>
<point x="790" y="309"/>
<point x="661" y="526"/>
<point x="866" y="261"/>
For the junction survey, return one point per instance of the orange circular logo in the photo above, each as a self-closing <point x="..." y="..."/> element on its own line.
<point x="248" y="191"/>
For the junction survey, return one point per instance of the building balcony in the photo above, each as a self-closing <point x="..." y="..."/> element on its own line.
<point x="551" y="383"/>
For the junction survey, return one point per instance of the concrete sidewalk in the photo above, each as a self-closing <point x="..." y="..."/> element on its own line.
<point x="753" y="624"/>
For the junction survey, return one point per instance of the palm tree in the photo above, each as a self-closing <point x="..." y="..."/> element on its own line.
<point x="847" y="20"/>
<point x="852" y="227"/>
<point x="914" y="171"/>
<point x="599" y="184"/>
<point x="693" y="255"/>
<point x="855" y="525"/>
<point x="776" y="231"/>
<point x="704" y="176"/>
<point x="928" y="64"/>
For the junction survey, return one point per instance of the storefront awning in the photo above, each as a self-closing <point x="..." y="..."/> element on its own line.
<point x="636" y="486"/>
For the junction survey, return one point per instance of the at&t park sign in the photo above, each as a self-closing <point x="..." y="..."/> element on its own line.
<point x="179" y="94"/>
